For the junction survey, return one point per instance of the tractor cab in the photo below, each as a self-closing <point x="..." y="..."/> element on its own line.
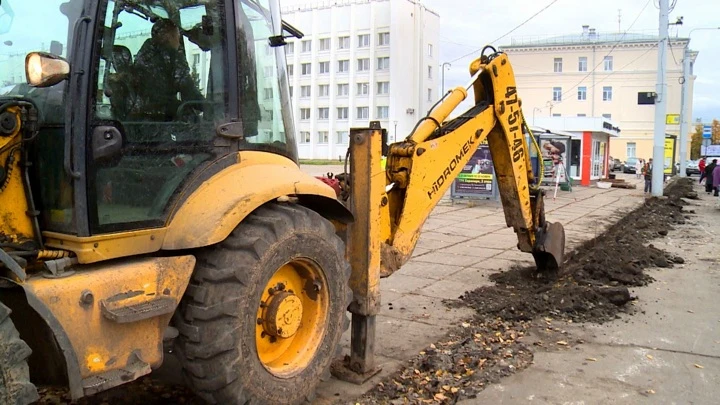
<point x="135" y="103"/>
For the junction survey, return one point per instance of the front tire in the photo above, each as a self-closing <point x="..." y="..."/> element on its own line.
<point x="15" y="385"/>
<point x="262" y="319"/>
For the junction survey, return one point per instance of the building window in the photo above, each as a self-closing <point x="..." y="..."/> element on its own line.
<point x="324" y="67"/>
<point x="291" y="91"/>
<point x="557" y="93"/>
<point x="268" y="92"/>
<point x="304" y="137"/>
<point x="429" y="95"/>
<point x="608" y="116"/>
<point x="582" y="93"/>
<point x="323" y="113"/>
<point x="582" y="64"/>
<point x="196" y="59"/>
<point x="325" y="44"/>
<point x="362" y="89"/>
<point x="304" y="113"/>
<point x="383" y="112"/>
<point x="557" y="65"/>
<point x="607" y="93"/>
<point x="608" y="63"/>
<point x="363" y="113"/>
<point x="343" y="89"/>
<point x="342" y="137"/>
<point x="631" y="149"/>
<point x="290" y="70"/>
<point x="430" y="50"/>
<point x="556" y="115"/>
<point x="363" y="64"/>
<point x="342" y="113"/>
<point x="305" y="91"/>
<point x="581" y="115"/>
<point x="383" y="38"/>
<point x="363" y="40"/>
<point x="383" y="87"/>
<point x="344" y="43"/>
<point x="322" y="136"/>
<point x="268" y="71"/>
<point x="429" y="72"/>
<point x="323" y="90"/>
<point x="306" y="69"/>
<point x="343" y="66"/>
<point x="383" y="63"/>
<point x="290" y="48"/>
<point x="306" y="46"/>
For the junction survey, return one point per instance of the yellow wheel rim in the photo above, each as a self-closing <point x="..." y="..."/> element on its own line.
<point x="291" y="317"/>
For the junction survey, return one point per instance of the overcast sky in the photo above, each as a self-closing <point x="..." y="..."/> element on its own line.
<point x="466" y="25"/>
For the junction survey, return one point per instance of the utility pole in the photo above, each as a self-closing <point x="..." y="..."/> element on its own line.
<point x="683" y="109"/>
<point x="658" y="167"/>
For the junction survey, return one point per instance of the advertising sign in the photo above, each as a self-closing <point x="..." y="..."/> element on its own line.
<point x="669" y="155"/>
<point x="476" y="178"/>
<point x="554" y="152"/>
<point x="710" y="150"/>
<point x="672" y="119"/>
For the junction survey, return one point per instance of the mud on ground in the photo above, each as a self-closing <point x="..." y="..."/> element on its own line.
<point x="494" y="343"/>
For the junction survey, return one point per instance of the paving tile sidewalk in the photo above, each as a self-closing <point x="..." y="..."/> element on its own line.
<point x="459" y="247"/>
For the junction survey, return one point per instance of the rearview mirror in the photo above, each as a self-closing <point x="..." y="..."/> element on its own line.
<point x="44" y="69"/>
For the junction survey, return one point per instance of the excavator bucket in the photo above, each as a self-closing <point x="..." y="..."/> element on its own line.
<point x="550" y="250"/>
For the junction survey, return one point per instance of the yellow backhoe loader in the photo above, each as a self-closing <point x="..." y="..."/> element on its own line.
<point x="151" y="201"/>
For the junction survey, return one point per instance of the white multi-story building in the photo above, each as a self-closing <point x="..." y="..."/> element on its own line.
<point x="601" y="75"/>
<point x="360" y="61"/>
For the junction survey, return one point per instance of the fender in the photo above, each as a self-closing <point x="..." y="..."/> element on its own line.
<point x="214" y="209"/>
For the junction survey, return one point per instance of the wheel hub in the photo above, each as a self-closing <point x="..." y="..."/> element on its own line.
<point x="282" y="315"/>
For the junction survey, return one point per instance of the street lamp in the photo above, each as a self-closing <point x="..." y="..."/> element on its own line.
<point x="535" y="109"/>
<point x="683" y="97"/>
<point x="395" y="134"/>
<point x="443" y="77"/>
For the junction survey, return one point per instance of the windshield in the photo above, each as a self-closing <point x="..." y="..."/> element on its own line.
<point x="264" y="98"/>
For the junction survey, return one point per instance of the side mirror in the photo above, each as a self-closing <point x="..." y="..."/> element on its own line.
<point x="44" y="69"/>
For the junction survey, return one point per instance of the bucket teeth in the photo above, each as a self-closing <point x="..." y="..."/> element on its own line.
<point x="550" y="250"/>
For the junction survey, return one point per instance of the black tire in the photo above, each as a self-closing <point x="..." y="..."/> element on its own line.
<point x="15" y="385"/>
<point x="218" y="316"/>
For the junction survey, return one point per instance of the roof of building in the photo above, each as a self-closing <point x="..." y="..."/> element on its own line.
<point x="320" y="4"/>
<point x="586" y="38"/>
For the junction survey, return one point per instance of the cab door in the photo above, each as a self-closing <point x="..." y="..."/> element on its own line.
<point x="161" y="87"/>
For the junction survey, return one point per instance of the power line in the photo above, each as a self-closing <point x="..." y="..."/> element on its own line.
<point x="509" y="32"/>
<point x="613" y="72"/>
<point x="562" y="96"/>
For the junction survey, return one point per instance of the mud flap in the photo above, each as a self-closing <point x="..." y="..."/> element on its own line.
<point x="549" y="252"/>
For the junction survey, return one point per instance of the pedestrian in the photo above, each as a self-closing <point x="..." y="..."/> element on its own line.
<point x="715" y="179"/>
<point x="709" y="176"/>
<point x="647" y="172"/>
<point x="638" y="167"/>
<point x="701" y="167"/>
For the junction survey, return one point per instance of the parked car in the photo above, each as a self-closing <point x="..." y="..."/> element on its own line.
<point x="629" y="165"/>
<point x="691" y="167"/>
<point x="616" y="164"/>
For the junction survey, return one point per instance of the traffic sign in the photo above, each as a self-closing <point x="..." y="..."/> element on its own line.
<point x="672" y="119"/>
<point x="707" y="132"/>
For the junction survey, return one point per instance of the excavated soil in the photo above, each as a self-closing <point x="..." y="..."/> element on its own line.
<point x="495" y="343"/>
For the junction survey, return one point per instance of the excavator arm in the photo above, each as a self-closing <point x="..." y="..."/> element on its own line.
<point x="421" y="168"/>
<point x="391" y="204"/>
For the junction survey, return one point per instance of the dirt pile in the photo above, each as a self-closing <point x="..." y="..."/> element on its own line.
<point x="472" y="356"/>
<point x="493" y="344"/>
<point x="599" y="271"/>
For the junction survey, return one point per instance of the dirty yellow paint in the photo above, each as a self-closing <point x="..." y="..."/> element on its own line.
<point x="98" y="343"/>
<point x="212" y="211"/>
<point x="13" y="202"/>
